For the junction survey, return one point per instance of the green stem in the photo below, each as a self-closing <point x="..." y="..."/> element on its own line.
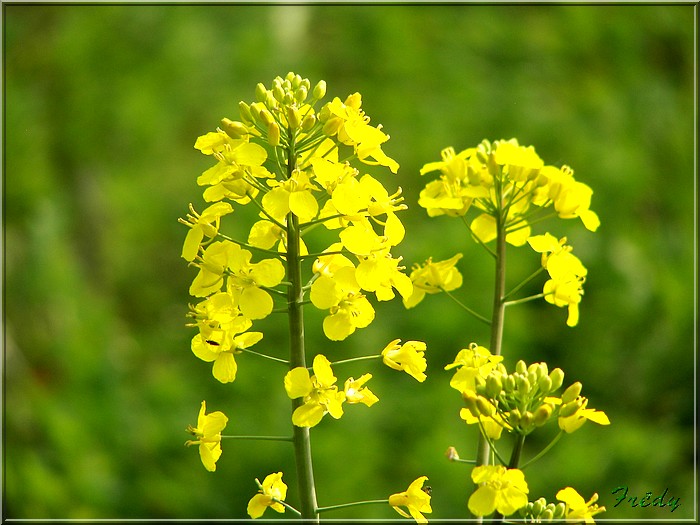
<point x="272" y="358"/>
<point x="356" y="359"/>
<point x="297" y="357"/>
<point x="353" y="504"/>
<point x="524" y="282"/>
<point x="524" y="299"/>
<point x="497" y="316"/>
<point x="466" y="308"/>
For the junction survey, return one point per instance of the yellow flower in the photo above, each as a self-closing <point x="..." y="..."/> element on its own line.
<point x="472" y="362"/>
<point x="272" y="491"/>
<point x="416" y="499"/>
<point x="356" y="392"/>
<point x="433" y="277"/>
<point x="574" y="414"/>
<point x="208" y="434"/>
<point x="206" y="224"/>
<point x="578" y="509"/>
<point x="501" y="489"/>
<point x="379" y="272"/>
<point x="409" y="357"/>
<point x="319" y="393"/>
<point x="348" y="308"/>
<point x="571" y="198"/>
<point x="295" y="195"/>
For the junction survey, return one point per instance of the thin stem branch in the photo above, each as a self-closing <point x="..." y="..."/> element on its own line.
<point x="353" y="504"/>
<point x="524" y="299"/>
<point x="466" y="308"/>
<point x="261" y="438"/>
<point x="353" y="359"/>
<point x="271" y="358"/>
<point x="544" y="450"/>
<point x="524" y="282"/>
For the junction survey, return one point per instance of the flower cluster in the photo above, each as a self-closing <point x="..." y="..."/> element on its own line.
<point x="571" y="508"/>
<point x="518" y="402"/>
<point x="506" y="182"/>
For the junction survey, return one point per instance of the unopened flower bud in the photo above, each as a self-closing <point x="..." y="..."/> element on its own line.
<point x="246" y="116"/>
<point x="526" y="420"/>
<point x="469" y="399"/>
<point x="572" y="392"/>
<point x="332" y="126"/>
<point x="277" y="93"/>
<point x="521" y="367"/>
<point x="557" y="377"/>
<point x="559" y="510"/>
<point x="266" y="117"/>
<point x="509" y="384"/>
<point x="308" y="122"/>
<point x="485" y="408"/>
<point x="319" y="90"/>
<point x="300" y="94"/>
<point x="451" y="454"/>
<point x="260" y="92"/>
<point x="354" y="101"/>
<point x="546" y="515"/>
<point x="270" y="100"/>
<point x="273" y="134"/>
<point x="570" y="408"/>
<point x="493" y="385"/>
<point x="514" y="417"/>
<point x="544" y="384"/>
<point x="541" y="415"/>
<point x="233" y="129"/>
<point x="533" y="377"/>
<point x="523" y="385"/>
<point x="293" y="117"/>
<point x="538" y="506"/>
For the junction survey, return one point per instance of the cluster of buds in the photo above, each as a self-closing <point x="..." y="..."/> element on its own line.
<point x="520" y="401"/>
<point x="539" y="511"/>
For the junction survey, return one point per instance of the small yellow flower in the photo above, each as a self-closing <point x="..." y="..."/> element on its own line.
<point x="501" y="489"/>
<point x="472" y="362"/>
<point x="208" y="434"/>
<point x="433" y="277"/>
<point x="356" y="392"/>
<point x="272" y="491"/>
<point x="409" y="357"/>
<point x="206" y="224"/>
<point x="572" y="422"/>
<point x="319" y="392"/>
<point x="416" y="499"/>
<point x="578" y="509"/>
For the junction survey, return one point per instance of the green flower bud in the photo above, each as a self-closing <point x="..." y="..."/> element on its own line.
<point x="544" y="384"/>
<point x="533" y="377"/>
<point x="559" y="510"/>
<point x="509" y="384"/>
<point x="300" y="94"/>
<point x="514" y="417"/>
<point x="572" y="392"/>
<point x="308" y="122"/>
<point x="570" y="408"/>
<point x="485" y="408"/>
<point x="332" y="126"/>
<point x="541" y="415"/>
<point x="246" y="115"/>
<point x="277" y="93"/>
<point x="319" y="90"/>
<point x="324" y="114"/>
<point x="306" y="84"/>
<point x="493" y="385"/>
<point x="293" y="117"/>
<point x="266" y="117"/>
<point x="557" y="377"/>
<point x="260" y="92"/>
<point x="469" y="399"/>
<point x="234" y="129"/>
<point x="538" y="506"/>
<point x="521" y="367"/>
<point x="523" y="385"/>
<point x="273" y="134"/>
<point x="526" y="420"/>
<point x="546" y="515"/>
<point x="270" y="100"/>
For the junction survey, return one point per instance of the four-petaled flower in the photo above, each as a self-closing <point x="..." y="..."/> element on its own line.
<point x="319" y="392"/>
<point x="416" y="499"/>
<point x="433" y="277"/>
<point x="572" y="422"/>
<point x="409" y="357"/>
<point x="500" y="489"/>
<point x="208" y="434"/>
<point x="272" y="491"/>
<point x="578" y="509"/>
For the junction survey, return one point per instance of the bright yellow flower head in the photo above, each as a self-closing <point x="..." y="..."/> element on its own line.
<point x="357" y="392"/>
<point x="348" y="308"/>
<point x="500" y="489"/>
<point x="295" y="195"/>
<point x="272" y="491"/>
<point x="409" y="357"/>
<point x="319" y="392"/>
<point x="470" y="363"/>
<point x="206" y="224"/>
<point x="578" y="509"/>
<point x="416" y="499"/>
<point x="208" y="434"/>
<point x="575" y="414"/>
<point x="433" y="277"/>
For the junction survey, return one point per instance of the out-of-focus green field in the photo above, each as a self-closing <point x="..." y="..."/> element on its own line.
<point x="102" y="106"/>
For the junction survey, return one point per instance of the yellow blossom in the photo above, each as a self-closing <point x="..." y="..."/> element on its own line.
<point x="433" y="277"/>
<point x="272" y="491"/>
<point x="416" y="499"/>
<point x="356" y="392"/>
<point x="208" y="434"/>
<point x="206" y="224"/>
<point x="409" y="357"/>
<point x="578" y="509"/>
<point x="500" y="489"/>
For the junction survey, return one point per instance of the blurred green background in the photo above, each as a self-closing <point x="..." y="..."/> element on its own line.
<point x="103" y="104"/>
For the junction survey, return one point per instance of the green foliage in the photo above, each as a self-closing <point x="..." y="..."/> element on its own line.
<point x="102" y="107"/>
